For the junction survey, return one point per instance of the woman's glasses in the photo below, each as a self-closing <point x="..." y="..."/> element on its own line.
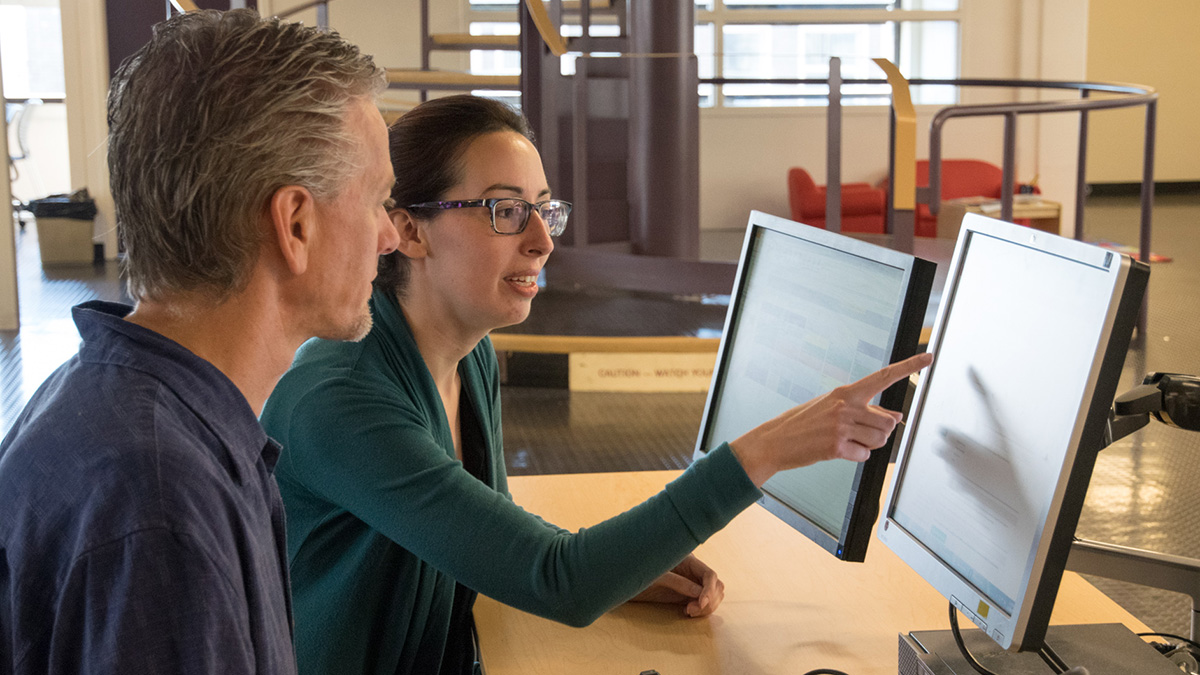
<point x="510" y="215"/>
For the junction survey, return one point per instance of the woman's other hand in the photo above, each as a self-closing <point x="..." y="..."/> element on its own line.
<point x="690" y="583"/>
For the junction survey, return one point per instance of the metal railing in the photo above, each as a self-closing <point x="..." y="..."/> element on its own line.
<point x="1131" y="95"/>
<point x="322" y="12"/>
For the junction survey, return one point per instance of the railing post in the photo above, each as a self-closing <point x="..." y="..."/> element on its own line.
<point x="532" y="48"/>
<point x="889" y="224"/>
<point x="579" y="153"/>
<point x="1147" y="208"/>
<point x="585" y="21"/>
<point x="833" y="148"/>
<point x="1148" y="181"/>
<point x="425" y="40"/>
<point x="933" y="192"/>
<point x="1081" y="171"/>
<point x="1010" y="166"/>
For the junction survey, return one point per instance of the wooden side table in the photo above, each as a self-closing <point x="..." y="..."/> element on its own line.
<point x="1043" y="215"/>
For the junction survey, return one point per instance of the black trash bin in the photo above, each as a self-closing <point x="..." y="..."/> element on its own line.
<point x="64" y="225"/>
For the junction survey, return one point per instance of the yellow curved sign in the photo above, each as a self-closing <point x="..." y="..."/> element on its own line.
<point x="904" y="187"/>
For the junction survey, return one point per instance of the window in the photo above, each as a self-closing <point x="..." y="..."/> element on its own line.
<point x="31" y="50"/>
<point x="790" y="40"/>
<point x="495" y="61"/>
<point x="794" y="39"/>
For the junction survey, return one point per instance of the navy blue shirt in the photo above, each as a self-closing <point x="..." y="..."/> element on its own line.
<point x="141" y="529"/>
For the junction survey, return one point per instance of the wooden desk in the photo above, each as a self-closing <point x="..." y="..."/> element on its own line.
<point x="1042" y="214"/>
<point x="789" y="606"/>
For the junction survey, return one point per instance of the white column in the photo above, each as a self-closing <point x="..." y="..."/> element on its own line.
<point x="1062" y="52"/>
<point x="85" y="62"/>
<point x="10" y="318"/>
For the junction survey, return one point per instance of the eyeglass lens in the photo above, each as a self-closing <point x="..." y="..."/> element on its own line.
<point x="511" y="215"/>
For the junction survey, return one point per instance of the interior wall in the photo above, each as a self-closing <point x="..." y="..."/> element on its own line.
<point x="390" y="31"/>
<point x="1060" y="48"/>
<point x="9" y="315"/>
<point x="1151" y="43"/>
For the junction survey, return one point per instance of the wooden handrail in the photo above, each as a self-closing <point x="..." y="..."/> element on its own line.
<point x="566" y="344"/>
<point x="546" y="27"/>
<point x="453" y="39"/>
<point x="422" y="78"/>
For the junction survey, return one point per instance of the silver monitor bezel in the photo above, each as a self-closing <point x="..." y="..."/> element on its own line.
<point x="1024" y="627"/>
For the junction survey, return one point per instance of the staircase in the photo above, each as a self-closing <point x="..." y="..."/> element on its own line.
<point x="545" y="18"/>
<point x="618" y="136"/>
<point x="619" y="139"/>
<point x="546" y="97"/>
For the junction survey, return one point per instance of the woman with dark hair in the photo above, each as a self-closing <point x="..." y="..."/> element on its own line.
<point x="393" y="472"/>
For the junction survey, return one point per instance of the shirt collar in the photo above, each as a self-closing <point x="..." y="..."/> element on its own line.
<point x="108" y="338"/>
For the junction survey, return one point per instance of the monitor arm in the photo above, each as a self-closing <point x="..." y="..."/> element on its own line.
<point x="1171" y="398"/>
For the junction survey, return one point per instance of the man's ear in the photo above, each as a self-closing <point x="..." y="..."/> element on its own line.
<point x="293" y="213"/>
<point x="413" y="240"/>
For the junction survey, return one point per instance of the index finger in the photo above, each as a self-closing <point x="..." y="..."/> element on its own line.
<point x="885" y="377"/>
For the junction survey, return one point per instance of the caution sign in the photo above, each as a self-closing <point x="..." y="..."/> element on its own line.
<point x="641" y="372"/>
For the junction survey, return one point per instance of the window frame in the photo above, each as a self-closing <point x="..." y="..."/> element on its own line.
<point x="721" y="15"/>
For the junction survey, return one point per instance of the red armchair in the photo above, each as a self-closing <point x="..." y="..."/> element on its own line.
<point x="960" y="178"/>
<point x="863" y="207"/>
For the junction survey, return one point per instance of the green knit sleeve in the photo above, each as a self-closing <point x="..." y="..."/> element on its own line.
<point x="375" y="456"/>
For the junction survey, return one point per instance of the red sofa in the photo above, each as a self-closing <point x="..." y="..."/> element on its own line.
<point x="864" y="207"/>
<point x="960" y="178"/>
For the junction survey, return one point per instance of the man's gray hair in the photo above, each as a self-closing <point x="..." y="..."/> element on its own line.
<point x="206" y="122"/>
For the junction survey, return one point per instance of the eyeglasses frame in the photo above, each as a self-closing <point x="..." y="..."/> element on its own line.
<point x="490" y="205"/>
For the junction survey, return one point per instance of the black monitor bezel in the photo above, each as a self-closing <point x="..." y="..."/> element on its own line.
<point x="863" y="503"/>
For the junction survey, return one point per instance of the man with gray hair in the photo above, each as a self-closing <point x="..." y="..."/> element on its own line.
<point x="141" y="529"/>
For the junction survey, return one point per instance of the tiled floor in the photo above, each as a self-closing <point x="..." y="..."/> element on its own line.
<point x="47" y="336"/>
<point x="1144" y="492"/>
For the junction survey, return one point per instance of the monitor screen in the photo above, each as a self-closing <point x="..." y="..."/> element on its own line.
<point x="810" y="311"/>
<point x="1005" y="425"/>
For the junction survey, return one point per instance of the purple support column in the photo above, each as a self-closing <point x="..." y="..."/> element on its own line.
<point x="664" y="131"/>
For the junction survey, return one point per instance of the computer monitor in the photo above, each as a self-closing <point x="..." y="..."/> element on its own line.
<point x="1004" y="428"/>
<point x="812" y="310"/>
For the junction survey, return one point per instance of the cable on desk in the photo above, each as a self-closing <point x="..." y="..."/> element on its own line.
<point x="1172" y="636"/>
<point x="1184" y="653"/>
<point x="825" y="671"/>
<point x="962" y="647"/>
<point x="1047" y="654"/>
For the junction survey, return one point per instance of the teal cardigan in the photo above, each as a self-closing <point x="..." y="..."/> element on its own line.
<point x="382" y="520"/>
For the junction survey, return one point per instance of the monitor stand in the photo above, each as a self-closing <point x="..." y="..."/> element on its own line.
<point x="1104" y="649"/>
